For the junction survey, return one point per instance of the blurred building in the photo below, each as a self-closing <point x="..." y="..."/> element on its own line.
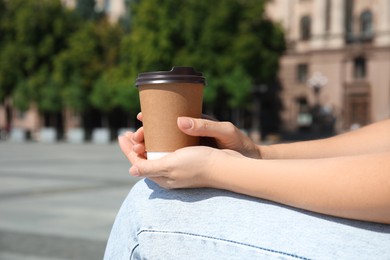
<point x="114" y="9"/>
<point x="337" y="60"/>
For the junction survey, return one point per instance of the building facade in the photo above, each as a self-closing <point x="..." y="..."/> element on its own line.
<point x="337" y="59"/>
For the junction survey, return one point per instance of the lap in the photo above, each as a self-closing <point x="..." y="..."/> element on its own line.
<point x="154" y="223"/>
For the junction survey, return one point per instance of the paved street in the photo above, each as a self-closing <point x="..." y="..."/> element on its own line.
<point x="58" y="201"/>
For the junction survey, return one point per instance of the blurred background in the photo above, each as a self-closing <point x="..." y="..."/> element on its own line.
<point x="280" y="70"/>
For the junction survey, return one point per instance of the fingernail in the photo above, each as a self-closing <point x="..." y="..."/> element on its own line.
<point x="185" y="123"/>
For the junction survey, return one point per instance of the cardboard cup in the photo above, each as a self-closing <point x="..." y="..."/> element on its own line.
<point x="161" y="105"/>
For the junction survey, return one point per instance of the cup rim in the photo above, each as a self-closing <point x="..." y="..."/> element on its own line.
<point x="175" y="75"/>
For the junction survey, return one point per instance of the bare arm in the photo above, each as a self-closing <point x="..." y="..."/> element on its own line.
<point x="356" y="187"/>
<point x="370" y="139"/>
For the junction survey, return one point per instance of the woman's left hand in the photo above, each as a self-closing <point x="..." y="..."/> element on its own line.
<point x="188" y="167"/>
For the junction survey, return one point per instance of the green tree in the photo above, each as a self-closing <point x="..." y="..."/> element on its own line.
<point x="238" y="86"/>
<point x="216" y="37"/>
<point x="92" y="51"/>
<point x="86" y="9"/>
<point x="33" y="32"/>
<point x="114" y="91"/>
<point x="154" y="25"/>
<point x="10" y="55"/>
<point x="10" y="72"/>
<point x="76" y="67"/>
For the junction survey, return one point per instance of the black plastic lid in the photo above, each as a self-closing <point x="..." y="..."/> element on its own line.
<point x="175" y="75"/>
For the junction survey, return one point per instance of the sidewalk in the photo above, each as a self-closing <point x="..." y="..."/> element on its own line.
<point x="59" y="201"/>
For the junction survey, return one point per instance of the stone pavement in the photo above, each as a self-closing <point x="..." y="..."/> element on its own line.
<point x="59" y="201"/>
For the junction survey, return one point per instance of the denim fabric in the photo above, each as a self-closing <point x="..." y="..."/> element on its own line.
<point x="154" y="223"/>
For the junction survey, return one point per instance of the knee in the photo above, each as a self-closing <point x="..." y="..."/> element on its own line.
<point x="124" y="233"/>
<point x="138" y="195"/>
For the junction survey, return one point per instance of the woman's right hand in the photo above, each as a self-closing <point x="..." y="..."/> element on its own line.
<point x="225" y="134"/>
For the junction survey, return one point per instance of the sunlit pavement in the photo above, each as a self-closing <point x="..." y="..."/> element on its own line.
<point x="58" y="201"/>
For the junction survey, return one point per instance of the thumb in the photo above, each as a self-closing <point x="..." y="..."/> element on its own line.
<point x="151" y="168"/>
<point x="205" y="128"/>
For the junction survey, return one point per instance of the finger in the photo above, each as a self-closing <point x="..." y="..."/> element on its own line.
<point x="125" y="144"/>
<point x="127" y="148"/>
<point x="129" y="135"/>
<point x="138" y="136"/>
<point x="204" y="127"/>
<point x="139" y="149"/>
<point x="135" y="171"/>
<point x="139" y="116"/>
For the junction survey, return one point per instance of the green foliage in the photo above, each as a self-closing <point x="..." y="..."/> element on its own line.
<point x="33" y="33"/>
<point x="238" y="85"/>
<point x="151" y="45"/>
<point x="210" y="92"/>
<point x="113" y="90"/>
<point x="21" y="95"/>
<point x="216" y="37"/>
<point x="91" y="51"/>
<point x="60" y="58"/>
<point x="10" y="63"/>
<point x="74" y="96"/>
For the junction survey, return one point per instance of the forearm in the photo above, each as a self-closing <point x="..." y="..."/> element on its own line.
<point x="356" y="187"/>
<point x="371" y="139"/>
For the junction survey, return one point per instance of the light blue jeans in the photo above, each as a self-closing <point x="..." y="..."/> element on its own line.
<point x="154" y="223"/>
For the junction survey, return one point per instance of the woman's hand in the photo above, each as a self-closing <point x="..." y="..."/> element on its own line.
<point x="132" y="145"/>
<point x="191" y="166"/>
<point x="224" y="134"/>
<point x="188" y="167"/>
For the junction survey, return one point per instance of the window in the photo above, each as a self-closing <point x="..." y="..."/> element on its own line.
<point x="366" y="24"/>
<point x="304" y="118"/>
<point x="305" y="27"/>
<point x="348" y="22"/>
<point x="301" y="73"/>
<point x="359" y="68"/>
<point x="359" y="113"/>
<point x="328" y="7"/>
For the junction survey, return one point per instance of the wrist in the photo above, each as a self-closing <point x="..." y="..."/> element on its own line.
<point x="218" y="169"/>
<point x="225" y="169"/>
<point x="264" y="151"/>
<point x="270" y="152"/>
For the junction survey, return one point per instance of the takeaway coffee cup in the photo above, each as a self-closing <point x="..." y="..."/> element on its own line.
<point x="165" y="96"/>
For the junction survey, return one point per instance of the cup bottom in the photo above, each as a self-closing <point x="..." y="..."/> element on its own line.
<point x="156" y="155"/>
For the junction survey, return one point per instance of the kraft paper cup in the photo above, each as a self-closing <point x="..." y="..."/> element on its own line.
<point x="165" y="96"/>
